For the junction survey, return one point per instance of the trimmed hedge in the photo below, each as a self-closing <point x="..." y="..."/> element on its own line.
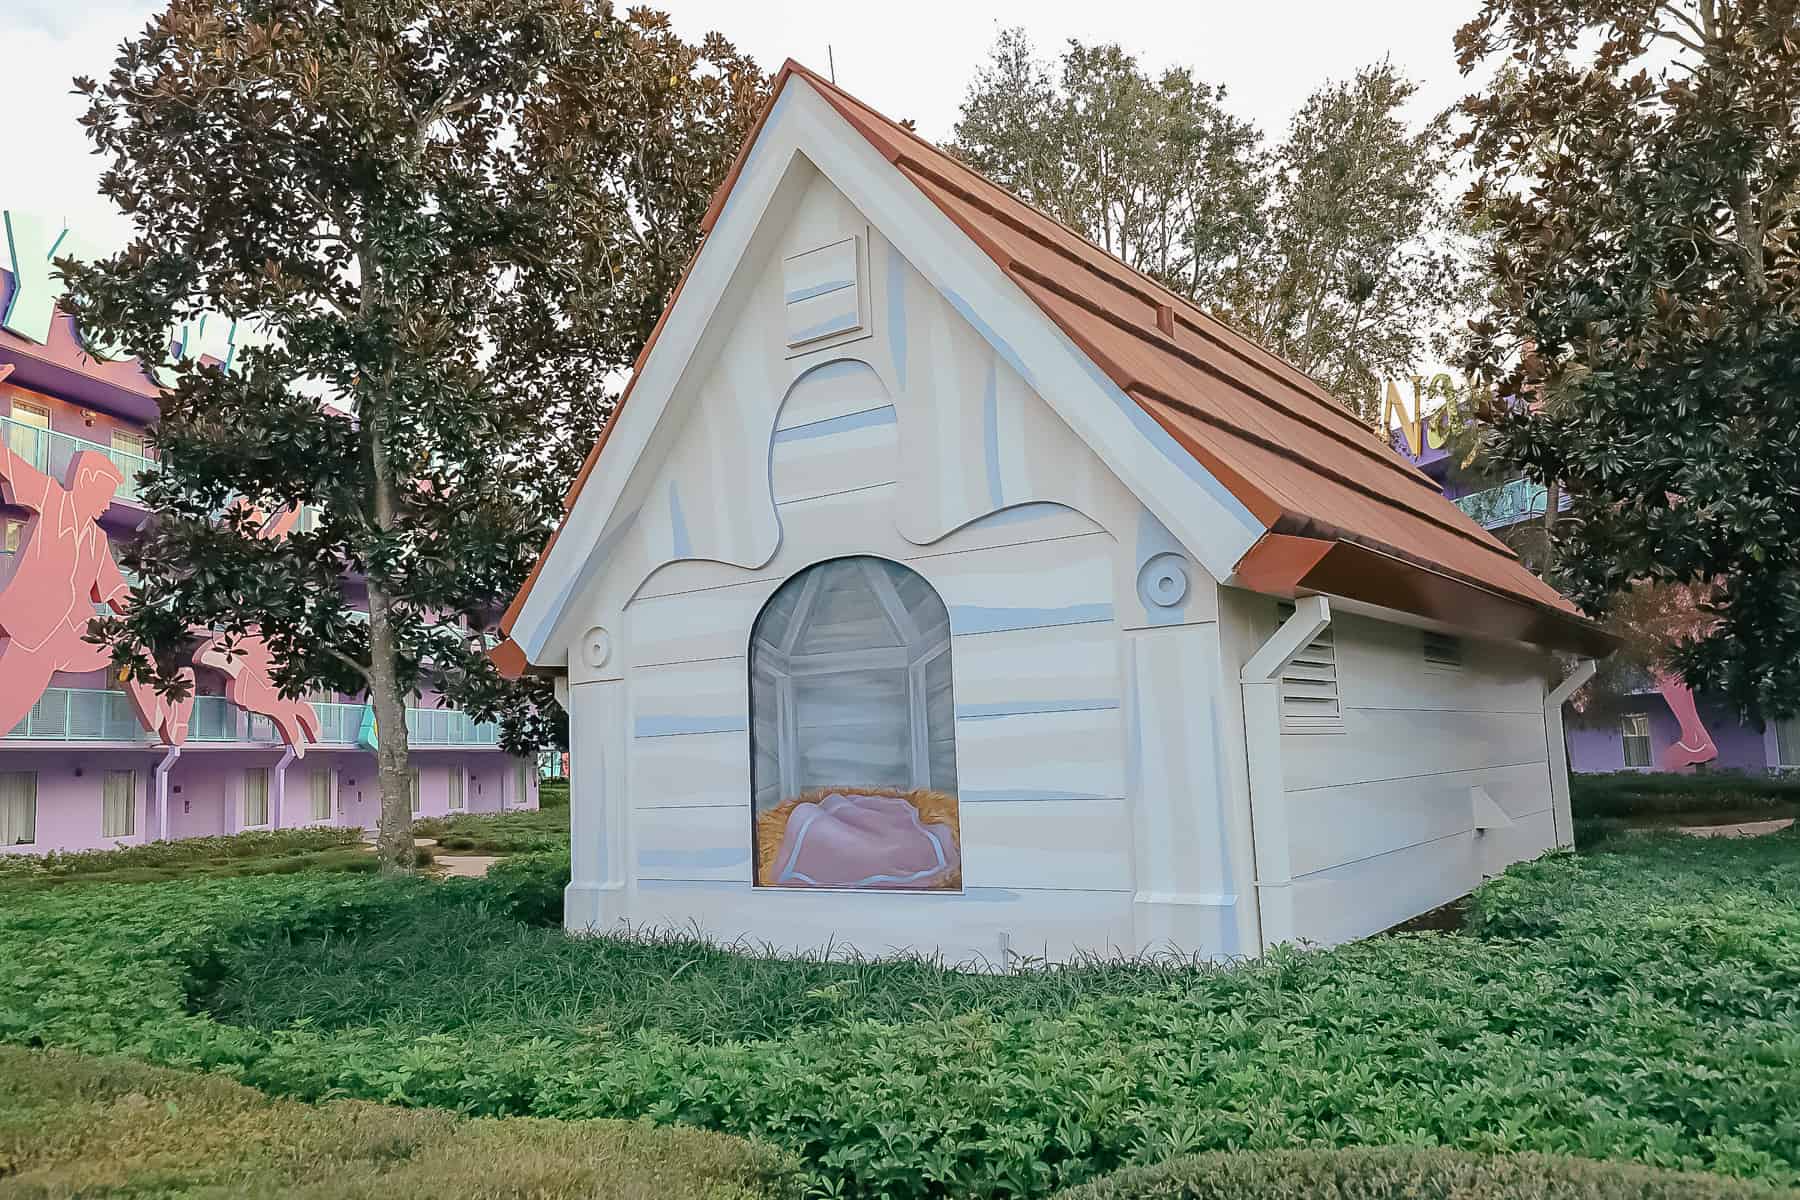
<point x="1403" y="1173"/>
<point x="273" y="852"/>
<point x="107" y="1127"/>
<point x="1635" y="794"/>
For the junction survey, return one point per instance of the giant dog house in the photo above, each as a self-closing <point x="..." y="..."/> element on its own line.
<point x="941" y="584"/>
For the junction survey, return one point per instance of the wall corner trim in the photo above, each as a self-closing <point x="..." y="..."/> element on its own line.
<point x="1260" y="681"/>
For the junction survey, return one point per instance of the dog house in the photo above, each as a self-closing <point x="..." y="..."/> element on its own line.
<point x="941" y="584"/>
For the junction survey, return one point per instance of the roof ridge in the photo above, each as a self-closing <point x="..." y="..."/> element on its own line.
<point x="1158" y="292"/>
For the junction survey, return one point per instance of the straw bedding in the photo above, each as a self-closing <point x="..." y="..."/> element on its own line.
<point x="934" y="808"/>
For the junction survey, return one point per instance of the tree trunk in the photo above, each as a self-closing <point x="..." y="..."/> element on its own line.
<point x="394" y="840"/>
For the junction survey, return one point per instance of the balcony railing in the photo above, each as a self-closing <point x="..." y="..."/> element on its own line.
<point x="1508" y="504"/>
<point x="50" y="452"/>
<point x="93" y="715"/>
<point x="448" y="727"/>
<point x="80" y="715"/>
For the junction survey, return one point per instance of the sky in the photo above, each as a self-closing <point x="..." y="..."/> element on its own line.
<point x="912" y="59"/>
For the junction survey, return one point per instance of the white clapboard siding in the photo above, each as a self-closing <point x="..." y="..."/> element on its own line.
<point x="1334" y="825"/>
<point x="699" y="770"/>
<point x="862" y="522"/>
<point x="1397" y="743"/>
<point x="831" y="390"/>
<point x="1047" y="844"/>
<point x="1012" y="670"/>
<point x="1529" y="836"/>
<point x="1368" y="895"/>
<point x="1027" y="586"/>
<point x="693" y="843"/>
<point x="838" y="454"/>
<point x="976" y="926"/>
<point x="1040" y="756"/>
<point x="694" y="626"/>
<point x="710" y="696"/>
<point x="1381" y="665"/>
<point x="822" y="291"/>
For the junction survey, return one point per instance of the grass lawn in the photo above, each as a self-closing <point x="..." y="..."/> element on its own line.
<point x="1638" y="1005"/>
<point x="73" y="1126"/>
<point x="526" y="831"/>
<point x="278" y="852"/>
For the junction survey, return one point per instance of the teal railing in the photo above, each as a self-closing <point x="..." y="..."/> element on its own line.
<point x="448" y="727"/>
<point x="93" y="715"/>
<point x="80" y="715"/>
<point x="50" y="452"/>
<point x="1508" y="504"/>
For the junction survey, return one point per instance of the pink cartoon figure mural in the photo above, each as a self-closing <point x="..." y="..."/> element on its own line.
<point x="249" y="667"/>
<point x="64" y="566"/>
<point x="1695" y="745"/>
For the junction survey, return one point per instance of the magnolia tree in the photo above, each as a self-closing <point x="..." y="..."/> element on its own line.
<point x="452" y="220"/>
<point x="1336" y="247"/>
<point x="1639" y="163"/>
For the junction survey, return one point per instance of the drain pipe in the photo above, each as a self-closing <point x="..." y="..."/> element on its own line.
<point x="280" y="787"/>
<point x="162" y="791"/>
<point x="1261" y="683"/>
<point x="1557" y="748"/>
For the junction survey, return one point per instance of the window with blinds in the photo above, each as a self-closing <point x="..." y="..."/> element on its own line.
<point x="18" y="808"/>
<point x="118" y="804"/>
<point x="453" y="778"/>
<point x="415" y="789"/>
<point x="521" y="784"/>
<point x="319" y="794"/>
<point x="256" y="796"/>
<point x="1309" y="686"/>
<point x="1443" y="651"/>
<point x="1787" y="742"/>
<point x="1634" y="729"/>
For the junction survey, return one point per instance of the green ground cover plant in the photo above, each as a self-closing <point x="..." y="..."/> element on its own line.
<point x="98" y="1128"/>
<point x="1407" y="1174"/>
<point x="1642" y="1005"/>
<point x="275" y="852"/>
<point x="1652" y="795"/>
<point x="525" y="831"/>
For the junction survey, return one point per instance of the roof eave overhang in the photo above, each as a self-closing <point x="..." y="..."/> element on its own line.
<point x="1286" y="565"/>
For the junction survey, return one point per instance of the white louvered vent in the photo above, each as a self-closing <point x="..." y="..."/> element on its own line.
<point x="1309" y="686"/>
<point x="1443" y="650"/>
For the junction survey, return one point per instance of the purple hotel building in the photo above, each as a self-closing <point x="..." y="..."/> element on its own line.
<point x="1644" y="729"/>
<point x="79" y="769"/>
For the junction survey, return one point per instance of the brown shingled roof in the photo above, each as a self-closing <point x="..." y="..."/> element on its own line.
<point x="1344" y="513"/>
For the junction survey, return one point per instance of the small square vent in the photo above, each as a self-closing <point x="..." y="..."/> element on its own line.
<point x="823" y="291"/>
<point x="1443" y="650"/>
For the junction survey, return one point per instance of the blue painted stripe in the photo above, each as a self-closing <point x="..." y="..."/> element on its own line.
<point x="818" y="289"/>
<point x="998" y="795"/>
<point x="841" y="323"/>
<point x="990" y="428"/>
<point x="1020" y="708"/>
<point x="867" y="419"/>
<point x="896" y="290"/>
<point x="681" y="546"/>
<point x="973" y="618"/>
<point x="727" y="856"/>
<point x="992" y="336"/>
<point x="649" y="727"/>
<point x="1036" y="510"/>
<point x="837" y="368"/>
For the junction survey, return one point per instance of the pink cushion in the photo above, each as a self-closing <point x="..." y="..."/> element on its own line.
<point x="848" y="840"/>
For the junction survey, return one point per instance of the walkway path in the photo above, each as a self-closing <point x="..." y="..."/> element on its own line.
<point x="1744" y="829"/>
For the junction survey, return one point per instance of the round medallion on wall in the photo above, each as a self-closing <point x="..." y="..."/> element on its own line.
<point x="596" y="647"/>
<point x="1163" y="581"/>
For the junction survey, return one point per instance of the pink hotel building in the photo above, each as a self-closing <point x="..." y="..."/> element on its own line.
<point x="81" y="769"/>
